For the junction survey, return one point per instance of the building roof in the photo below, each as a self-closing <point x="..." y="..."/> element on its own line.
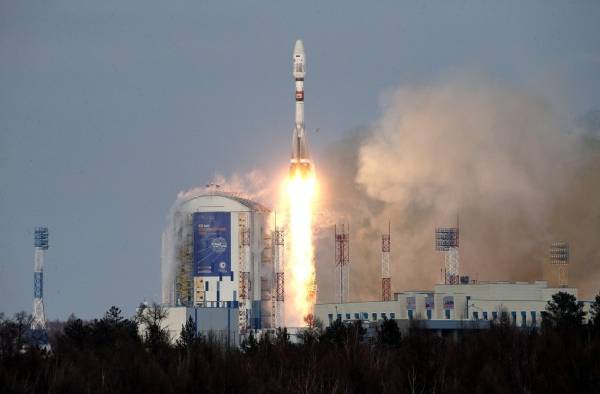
<point x="253" y="205"/>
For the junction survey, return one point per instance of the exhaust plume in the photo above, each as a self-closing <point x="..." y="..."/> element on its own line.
<point x="500" y="157"/>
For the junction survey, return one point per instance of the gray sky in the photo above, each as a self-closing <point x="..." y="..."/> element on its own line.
<point x="108" y="109"/>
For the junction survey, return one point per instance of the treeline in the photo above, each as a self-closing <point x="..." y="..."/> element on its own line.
<point x="112" y="354"/>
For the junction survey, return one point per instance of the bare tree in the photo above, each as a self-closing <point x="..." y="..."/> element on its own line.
<point x="151" y="319"/>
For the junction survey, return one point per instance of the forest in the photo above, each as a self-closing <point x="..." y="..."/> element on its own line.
<point x="116" y="354"/>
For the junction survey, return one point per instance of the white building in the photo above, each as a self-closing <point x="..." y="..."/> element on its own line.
<point x="216" y="254"/>
<point x="476" y="302"/>
<point x="221" y="323"/>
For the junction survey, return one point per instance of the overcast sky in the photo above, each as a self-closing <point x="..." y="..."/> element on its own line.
<point x="109" y="108"/>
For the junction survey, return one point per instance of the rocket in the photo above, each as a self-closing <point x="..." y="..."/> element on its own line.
<point x="300" y="159"/>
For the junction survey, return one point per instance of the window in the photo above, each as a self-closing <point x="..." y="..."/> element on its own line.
<point x="428" y="314"/>
<point x="447" y="313"/>
<point x="235" y="295"/>
<point x="347" y="316"/>
<point x="365" y="316"/>
<point x="523" y="318"/>
<point x="339" y="316"/>
<point x="494" y="315"/>
<point x="232" y="276"/>
<point x="357" y="316"/>
<point x="330" y="316"/>
<point x="475" y="315"/>
<point x="374" y="316"/>
<point x="392" y="315"/>
<point x="484" y="315"/>
<point x="533" y="318"/>
<point x="513" y="316"/>
<point x="206" y="286"/>
<point x="410" y="314"/>
<point x="384" y="315"/>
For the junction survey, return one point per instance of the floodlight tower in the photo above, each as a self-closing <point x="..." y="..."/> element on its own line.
<point x="559" y="259"/>
<point x="386" y="281"/>
<point x="38" y="322"/>
<point x="446" y="240"/>
<point x="342" y="259"/>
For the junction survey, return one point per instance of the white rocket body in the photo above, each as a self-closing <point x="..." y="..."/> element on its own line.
<point x="300" y="159"/>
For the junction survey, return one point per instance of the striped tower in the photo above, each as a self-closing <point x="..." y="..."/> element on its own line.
<point x="386" y="281"/>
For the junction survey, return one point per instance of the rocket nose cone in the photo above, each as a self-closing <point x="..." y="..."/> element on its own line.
<point x="299" y="47"/>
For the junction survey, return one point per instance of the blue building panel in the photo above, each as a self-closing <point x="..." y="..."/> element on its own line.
<point x="255" y="321"/>
<point x="212" y="243"/>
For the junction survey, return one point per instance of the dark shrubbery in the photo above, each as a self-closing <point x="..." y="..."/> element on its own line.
<point x="112" y="354"/>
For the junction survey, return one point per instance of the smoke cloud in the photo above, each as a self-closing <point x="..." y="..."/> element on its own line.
<point x="500" y="159"/>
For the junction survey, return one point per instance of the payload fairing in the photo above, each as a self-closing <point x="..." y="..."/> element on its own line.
<point x="300" y="159"/>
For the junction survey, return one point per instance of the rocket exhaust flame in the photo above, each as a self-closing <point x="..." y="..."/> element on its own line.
<point x="301" y="193"/>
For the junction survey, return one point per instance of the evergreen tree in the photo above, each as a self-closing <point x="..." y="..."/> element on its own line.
<point x="595" y="315"/>
<point x="113" y="316"/>
<point x="563" y="311"/>
<point x="282" y="338"/>
<point x="76" y="334"/>
<point x="250" y="345"/>
<point x="389" y="333"/>
<point x="188" y="336"/>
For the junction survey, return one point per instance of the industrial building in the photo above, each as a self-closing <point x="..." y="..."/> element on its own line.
<point x="458" y="300"/>
<point x="523" y="302"/>
<point x="221" y="267"/>
<point x="217" y="260"/>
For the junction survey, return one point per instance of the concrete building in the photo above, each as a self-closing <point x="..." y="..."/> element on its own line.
<point x="480" y="303"/>
<point x="220" y="322"/>
<point x="216" y="255"/>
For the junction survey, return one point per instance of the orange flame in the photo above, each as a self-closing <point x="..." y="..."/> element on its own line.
<point x="300" y="269"/>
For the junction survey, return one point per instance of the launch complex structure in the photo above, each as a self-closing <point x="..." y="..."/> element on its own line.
<point x="225" y="265"/>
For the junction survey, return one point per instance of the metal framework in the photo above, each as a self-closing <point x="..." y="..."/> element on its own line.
<point x="447" y="240"/>
<point x="280" y="287"/>
<point x="386" y="281"/>
<point x="278" y="241"/>
<point x="559" y="259"/>
<point x="342" y="260"/>
<point x="38" y="334"/>
<point x="244" y="275"/>
<point x="312" y="293"/>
